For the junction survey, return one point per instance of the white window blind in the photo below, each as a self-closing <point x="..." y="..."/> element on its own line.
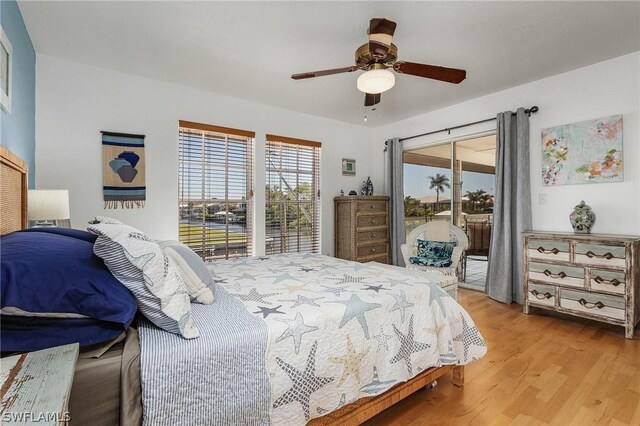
<point x="215" y="190"/>
<point x="292" y="195"/>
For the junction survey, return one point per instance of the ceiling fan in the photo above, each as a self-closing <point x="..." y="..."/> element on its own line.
<point x="379" y="54"/>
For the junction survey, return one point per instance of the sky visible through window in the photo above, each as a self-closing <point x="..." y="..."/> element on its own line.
<point x="416" y="181"/>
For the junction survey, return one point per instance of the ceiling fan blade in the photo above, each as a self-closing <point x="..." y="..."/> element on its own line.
<point x="313" y="74"/>
<point x="371" y="99"/>
<point x="450" y="75"/>
<point x="380" y="35"/>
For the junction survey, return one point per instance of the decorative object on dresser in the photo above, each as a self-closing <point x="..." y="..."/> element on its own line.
<point x="582" y="218"/>
<point x="36" y="385"/>
<point x="362" y="228"/>
<point x="367" y="187"/>
<point x="590" y="276"/>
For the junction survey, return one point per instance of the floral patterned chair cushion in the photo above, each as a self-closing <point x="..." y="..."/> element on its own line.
<point x="433" y="253"/>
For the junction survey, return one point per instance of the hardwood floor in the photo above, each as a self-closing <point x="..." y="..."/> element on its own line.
<point x="539" y="369"/>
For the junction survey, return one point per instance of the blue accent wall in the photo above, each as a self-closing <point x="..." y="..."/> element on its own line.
<point x="18" y="128"/>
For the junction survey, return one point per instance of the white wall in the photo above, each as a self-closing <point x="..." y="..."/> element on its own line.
<point x="75" y="102"/>
<point x="607" y="88"/>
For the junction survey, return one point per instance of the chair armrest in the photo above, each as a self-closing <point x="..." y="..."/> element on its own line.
<point x="456" y="256"/>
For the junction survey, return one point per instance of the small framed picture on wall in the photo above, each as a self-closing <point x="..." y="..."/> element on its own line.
<point x="6" y="52"/>
<point x="348" y="167"/>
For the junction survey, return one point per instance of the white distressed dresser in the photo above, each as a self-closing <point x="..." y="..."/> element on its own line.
<point x="591" y="276"/>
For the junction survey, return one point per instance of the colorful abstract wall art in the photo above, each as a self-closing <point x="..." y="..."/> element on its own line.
<point x="585" y="152"/>
<point x="123" y="168"/>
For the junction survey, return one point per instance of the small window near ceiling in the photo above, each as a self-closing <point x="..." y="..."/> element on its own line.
<point x="215" y="190"/>
<point x="292" y="195"/>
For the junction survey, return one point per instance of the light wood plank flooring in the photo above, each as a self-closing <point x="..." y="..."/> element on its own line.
<point x="539" y="369"/>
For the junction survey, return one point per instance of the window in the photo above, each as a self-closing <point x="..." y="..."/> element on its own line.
<point x="215" y="190"/>
<point x="292" y="195"/>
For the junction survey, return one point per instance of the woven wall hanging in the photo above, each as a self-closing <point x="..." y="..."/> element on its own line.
<point x="123" y="168"/>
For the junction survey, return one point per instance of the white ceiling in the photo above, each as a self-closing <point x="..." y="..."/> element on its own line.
<point x="249" y="49"/>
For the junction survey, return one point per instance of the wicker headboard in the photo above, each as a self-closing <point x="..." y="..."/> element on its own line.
<point x="13" y="192"/>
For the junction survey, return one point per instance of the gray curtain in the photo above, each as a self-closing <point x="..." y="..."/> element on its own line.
<point x="512" y="208"/>
<point x="396" y="193"/>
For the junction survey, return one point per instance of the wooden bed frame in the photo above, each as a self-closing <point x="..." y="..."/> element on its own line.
<point x="13" y="199"/>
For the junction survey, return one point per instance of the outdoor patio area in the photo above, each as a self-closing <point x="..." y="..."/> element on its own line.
<point x="476" y="275"/>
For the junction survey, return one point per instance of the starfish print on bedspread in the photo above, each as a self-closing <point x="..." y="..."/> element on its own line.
<point x="436" y="293"/>
<point x="254" y="296"/>
<point x="468" y="336"/>
<point x="375" y="288"/>
<point x="303" y="300"/>
<point x="383" y="340"/>
<point x="304" y="382"/>
<point x="284" y="277"/>
<point x="307" y="269"/>
<point x="350" y="361"/>
<point x="408" y="346"/>
<point x="336" y="291"/>
<point x="245" y="276"/>
<point x="325" y="266"/>
<point x="268" y="311"/>
<point x="358" y="266"/>
<point x="348" y="279"/>
<point x="401" y="304"/>
<point x="296" y="328"/>
<point x="293" y="288"/>
<point x="356" y="308"/>
<point x="393" y="281"/>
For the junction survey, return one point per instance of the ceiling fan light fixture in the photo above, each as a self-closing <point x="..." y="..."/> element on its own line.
<point x="376" y="81"/>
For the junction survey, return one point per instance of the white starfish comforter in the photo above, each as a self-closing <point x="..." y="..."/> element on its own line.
<point x="296" y="336"/>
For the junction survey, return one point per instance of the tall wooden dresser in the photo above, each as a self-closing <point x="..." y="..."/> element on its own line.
<point x="590" y="276"/>
<point x="362" y="228"/>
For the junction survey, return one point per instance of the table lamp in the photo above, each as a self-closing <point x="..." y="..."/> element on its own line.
<point x="47" y="205"/>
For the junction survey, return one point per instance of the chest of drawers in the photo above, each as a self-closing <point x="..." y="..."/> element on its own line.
<point x="590" y="276"/>
<point x="362" y="228"/>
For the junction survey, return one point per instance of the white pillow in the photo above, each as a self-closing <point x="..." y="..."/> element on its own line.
<point x="197" y="277"/>
<point x="139" y="263"/>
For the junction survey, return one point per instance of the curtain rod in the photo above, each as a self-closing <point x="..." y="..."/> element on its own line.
<point x="527" y="111"/>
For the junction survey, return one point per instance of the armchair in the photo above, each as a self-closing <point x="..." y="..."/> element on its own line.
<point x="436" y="231"/>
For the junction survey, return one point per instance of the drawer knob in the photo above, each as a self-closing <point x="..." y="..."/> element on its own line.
<point x="372" y="206"/>
<point x="373" y="250"/>
<point x="373" y="221"/>
<point x="607" y="255"/>
<point x="373" y="235"/>
<point x="552" y="251"/>
<point x="614" y="282"/>
<point x="552" y="275"/>
<point x="590" y="305"/>
<point x="541" y="296"/>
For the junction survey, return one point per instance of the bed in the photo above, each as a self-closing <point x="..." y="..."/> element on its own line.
<point x="332" y="342"/>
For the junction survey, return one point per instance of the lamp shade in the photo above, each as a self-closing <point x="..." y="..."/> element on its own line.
<point x="48" y="204"/>
<point x="376" y="81"/>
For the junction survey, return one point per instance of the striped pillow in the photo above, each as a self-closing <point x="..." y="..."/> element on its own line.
<point x="140" y="265"/>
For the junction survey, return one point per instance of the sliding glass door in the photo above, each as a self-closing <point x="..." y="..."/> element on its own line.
<point x="455" y="181"/>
